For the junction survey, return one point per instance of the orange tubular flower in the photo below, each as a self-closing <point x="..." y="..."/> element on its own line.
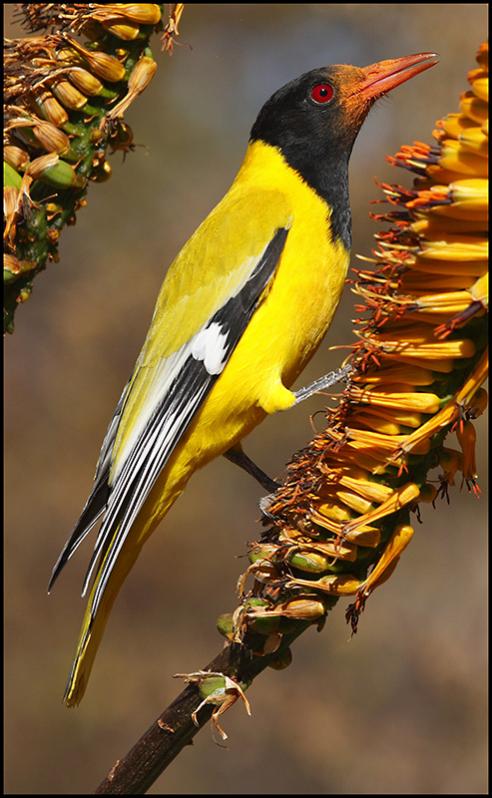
<point x="340" y="522"/>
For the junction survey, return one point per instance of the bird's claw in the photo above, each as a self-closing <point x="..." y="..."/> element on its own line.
<point x="265" y="503"/>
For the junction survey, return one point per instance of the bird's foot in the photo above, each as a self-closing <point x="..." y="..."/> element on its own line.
<point x="323" y="383"/>
<point x="265" y="503"/>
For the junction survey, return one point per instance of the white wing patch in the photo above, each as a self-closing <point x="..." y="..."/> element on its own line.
<point x="210" y="346"/>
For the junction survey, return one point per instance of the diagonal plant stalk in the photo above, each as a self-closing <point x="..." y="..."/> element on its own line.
<point x="65" y="96"/>
<point x="340" y="522"/>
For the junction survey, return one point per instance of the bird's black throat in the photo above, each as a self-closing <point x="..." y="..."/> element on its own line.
<point x="324" y="171"/>
<point x="327" y="174"/>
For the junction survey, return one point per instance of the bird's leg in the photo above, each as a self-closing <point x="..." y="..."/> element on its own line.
<point x="322" y="383"/>
<point x="237" y="456"/>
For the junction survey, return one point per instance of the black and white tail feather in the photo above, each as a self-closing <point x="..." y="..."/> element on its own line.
<point x="186" y="378"/>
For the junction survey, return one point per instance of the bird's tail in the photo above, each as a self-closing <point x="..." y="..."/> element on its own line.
<point x="105" y="589"/>
<point x="97" y="613"/>
<point x="94" y="623"/>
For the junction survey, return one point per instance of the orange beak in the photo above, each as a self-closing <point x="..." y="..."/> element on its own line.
<point x="384" y="76"/>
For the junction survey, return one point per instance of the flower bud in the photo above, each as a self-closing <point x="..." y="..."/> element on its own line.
<point x="10" y="176"/>
<point x="309" y="561"/>
<point x="51" y="169"/>
<point x="225" y="625"/>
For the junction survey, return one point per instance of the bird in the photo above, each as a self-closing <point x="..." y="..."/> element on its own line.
<point x="242" y="309"/>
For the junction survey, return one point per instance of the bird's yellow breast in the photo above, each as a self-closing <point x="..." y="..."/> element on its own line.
<point x="297" y="310"/>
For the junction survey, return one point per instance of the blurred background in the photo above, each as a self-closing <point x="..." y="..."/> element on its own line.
<point x="400" y="708"/>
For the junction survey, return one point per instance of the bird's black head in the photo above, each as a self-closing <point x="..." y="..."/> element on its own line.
<point x="314" y="121"/>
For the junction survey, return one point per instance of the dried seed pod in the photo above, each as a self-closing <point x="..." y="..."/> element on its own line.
<point x="267" y="618"/>
<point x="144" y="13"/>
<point x="105" y="66"/>
<point x="68" y="95"/>
<point x="125" y="30"/>
<point x="68" y="56"/>
<point x="51" y="138"/>
<point x="85" y="81"/>
<point x="140" y="77"/>
<point x="15" y="156"/>
<point x="50" y="109"/>
<point x="10" y="201"/>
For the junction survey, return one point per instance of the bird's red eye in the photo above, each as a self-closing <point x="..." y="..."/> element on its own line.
<point x="322" y="93"/>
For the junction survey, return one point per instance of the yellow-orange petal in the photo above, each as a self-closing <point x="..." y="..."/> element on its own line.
<point x="398" y="541"/>
<point x="400" y="498"/>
